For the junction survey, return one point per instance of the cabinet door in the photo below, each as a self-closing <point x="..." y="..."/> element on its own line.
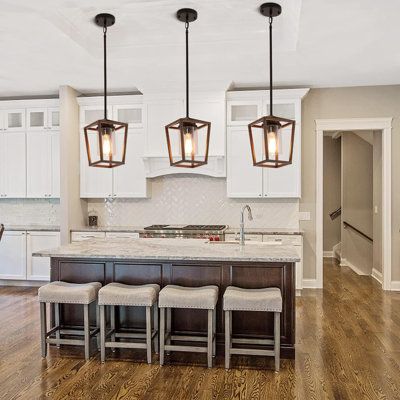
<point x="80" y="236"/>
<point x="55" y="164"/>
<point x="243" y="179"/>
<point x="14" y="120"/>
<point x="129" y="180"/>
<point x="133" y="115"/>
<point x="38" y="268"/>
<point x="242" y="112"/>
<point x="160" y="114"/>
<point x="95" y="182"/>
<point x="286" y="181"/>
<point x="38" y="156"/>
<point x="13" y="255"/>
<point x="13" y="164"/>
<point x="53" y="119"/>
<point x="36" y="119"/>
<point x="90" y="114"/>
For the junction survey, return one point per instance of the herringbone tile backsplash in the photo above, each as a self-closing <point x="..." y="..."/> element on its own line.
<point x="188" y="199"/>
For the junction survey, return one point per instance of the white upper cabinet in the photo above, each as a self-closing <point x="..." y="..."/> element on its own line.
<point x="43" y="164"/>
<point x="12" y="164"/>
<point x="244" y="179"/>
<point x="43" y="118"/>
<point x="125" y="181"/>
<point x="12" y="120"/>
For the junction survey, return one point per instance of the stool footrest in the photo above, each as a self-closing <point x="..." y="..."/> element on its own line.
<point x="125" y="345"/>
<point x="252" y="352"/>
<point x="191" y="349"/>
<point x="73" y="342"/>
<point x="252" y="341"/>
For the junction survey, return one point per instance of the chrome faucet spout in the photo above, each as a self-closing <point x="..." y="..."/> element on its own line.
<point x="249" y="216"/>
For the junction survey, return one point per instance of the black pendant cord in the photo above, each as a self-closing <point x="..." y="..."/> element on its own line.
<point x="270" y="67"/>
<point x="105" y="70"/>
<point x="187" y="68"/>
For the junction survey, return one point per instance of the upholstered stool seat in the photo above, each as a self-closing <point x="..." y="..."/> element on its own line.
<point x="268" y="299"/>
<point x="201" y="298"/>
<point x="118" y="294"/>
<point x="58" y="293"/>
<point x="204" y="297"/>
<point x="264" y="300"/>
<point x="64" y="292"/>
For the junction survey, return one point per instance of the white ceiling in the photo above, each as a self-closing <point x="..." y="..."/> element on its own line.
<point x="317" y="43"/>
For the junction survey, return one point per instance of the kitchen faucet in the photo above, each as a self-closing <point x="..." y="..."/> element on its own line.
<point x="241" y="235"/>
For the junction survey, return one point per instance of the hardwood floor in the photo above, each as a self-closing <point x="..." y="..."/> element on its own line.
<point x="347" y="347"/>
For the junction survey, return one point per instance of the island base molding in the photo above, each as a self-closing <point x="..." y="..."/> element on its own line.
<point x="251" y="275"/>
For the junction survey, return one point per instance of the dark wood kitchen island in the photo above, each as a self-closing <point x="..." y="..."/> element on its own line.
<point x="186" y="262"/>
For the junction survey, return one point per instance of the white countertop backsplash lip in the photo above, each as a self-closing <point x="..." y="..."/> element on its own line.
<point x="229" y="230"/>
<point x="172" y="250"/>
<point x="32" y="227"/>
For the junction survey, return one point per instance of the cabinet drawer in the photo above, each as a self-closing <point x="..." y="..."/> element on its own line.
<point x="294" y="240"/>
<point x="248" y="237"/>
<point x="122" y="235"/>
<point x="80" y="236"/>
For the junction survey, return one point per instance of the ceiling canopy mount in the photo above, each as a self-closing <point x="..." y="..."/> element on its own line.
<point x="104" y="20"/>
<point x="270" y="10"/>
<point x="186" y="15"/>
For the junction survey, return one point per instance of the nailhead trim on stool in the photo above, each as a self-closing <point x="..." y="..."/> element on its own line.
<point x="118" y="294"/>
<point x="173" y="296"/>
<point x="264" y="300"/>
<point x="60" y="292"/>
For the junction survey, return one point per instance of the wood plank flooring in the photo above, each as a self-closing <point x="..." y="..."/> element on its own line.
<point x="347" y="347"/>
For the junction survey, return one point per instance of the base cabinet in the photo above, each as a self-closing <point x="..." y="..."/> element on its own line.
<point x="38" y="268"/>
<point x="16" y="249"/>
<point x="13" y="255"/>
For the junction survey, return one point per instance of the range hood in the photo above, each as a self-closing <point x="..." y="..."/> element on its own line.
<point x="159" y="166"/>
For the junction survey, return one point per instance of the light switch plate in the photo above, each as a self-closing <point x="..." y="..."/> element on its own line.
<point x="304" y="216"/>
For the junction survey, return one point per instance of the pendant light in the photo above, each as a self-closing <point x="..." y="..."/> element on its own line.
<point x="106" y="139"/>
<point x="271" y="137"/>
<point x="187" y="138"/>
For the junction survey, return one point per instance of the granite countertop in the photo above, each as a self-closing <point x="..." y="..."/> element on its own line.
<point x="173" y="249"/>
<point x="32" y="227"/>
<point x="140" y="229"/>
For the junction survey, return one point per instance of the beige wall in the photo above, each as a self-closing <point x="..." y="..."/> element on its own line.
<point x="353" y="102"/>
<point x="377" y="199"/>
<point x="332" y="191"/>
<point x="357" y="200"/>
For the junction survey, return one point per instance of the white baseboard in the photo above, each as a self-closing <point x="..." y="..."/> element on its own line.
<point x="395" y="286"/>
<point x="328" y="254"/>
<point x="346" y="263"/>
<point x="310" y="284"/>
<point x="377" y="275"/>
<point x="4" y="282"/>
<point x="337" y="250"/>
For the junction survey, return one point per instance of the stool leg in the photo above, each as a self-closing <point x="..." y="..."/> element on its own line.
<point x="168" y="330"/>
<point x="43" y="329"/>
<point x="97" y="325"/>
<point x="210" y="338"/>
<point x="102" y="334"/>
<point x="155" y="323"/>
<point x="214" y="332"/>
<point x="86" y="328"/>
<point x="57" y="321"/>
<point x="228" y="333"/>
<point x="112" y="320"/>
<point x="148" y="334"/>
<point x="277" y="339"/>
<point x="162" y="335"/>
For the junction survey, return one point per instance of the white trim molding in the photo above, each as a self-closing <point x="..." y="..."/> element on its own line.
<point x="395" y="286"/>
<point x="310" y="284"/>
<point x="350" y="124"/>
<point x="346" y="263"/>
<point x="328" y="254"/>
<point x="377" y="275"/>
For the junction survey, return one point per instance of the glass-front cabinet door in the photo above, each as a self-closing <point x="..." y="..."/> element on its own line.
<point x="53" y="119"/>
<point x="36" y="119"/>
<point x="133" y="115"/>
<point x="242" y="112"/>
<point x="14" y="120"/>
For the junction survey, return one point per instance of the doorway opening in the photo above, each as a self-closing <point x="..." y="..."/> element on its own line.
<point x="361" y="221"/>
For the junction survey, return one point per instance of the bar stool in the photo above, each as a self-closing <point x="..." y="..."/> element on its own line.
<point x="57" y="293"/>
<point x="118" y="294"/>
<point x="267" y="300"/>
<point x="201" y="298"/>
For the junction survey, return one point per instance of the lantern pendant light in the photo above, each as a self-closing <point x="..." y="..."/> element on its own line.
<point x="271" y="137"/>
<point x="106" y="139"/>
<point x="187" y="138"/>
